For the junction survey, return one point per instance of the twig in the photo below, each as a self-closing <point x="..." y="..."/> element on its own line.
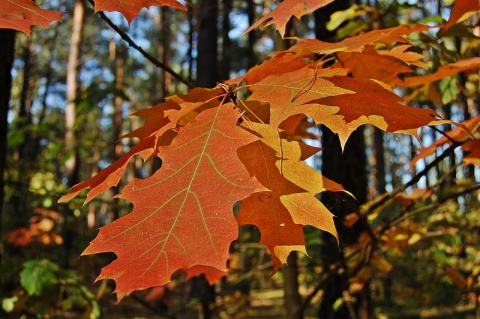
<point x="149" y="57"/>
<point x="414" y="179"/>
<point x="406" y="214"/>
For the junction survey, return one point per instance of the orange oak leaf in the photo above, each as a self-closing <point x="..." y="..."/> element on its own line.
<point x="265" y="209"/>
<point x="182" y="215"/>
<point x="130" y="9"/>
<point x="161" y="125"/>
<point x="288" y="93"/>
<point x="111" y="175"/>
<point x="408" y="57"/>
<point x="468" y="131"/>
<point x="296" y="128"/>
<point x="285" y="10"/>
<point x="443" y="72"/>
<point x="212" y="274"/>
<point x="462" y="9"/>
<point x="472" y="148"/>
<point x="22" y="14"/>
<point x="370" y="104"/>
<point x="359" y="42"/>
<point x="281" y="214"/>
<point x="369" y="64"/>
<point x="278" y="63"/>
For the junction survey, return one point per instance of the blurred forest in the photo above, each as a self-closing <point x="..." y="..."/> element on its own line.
<point x="74" y="87"/>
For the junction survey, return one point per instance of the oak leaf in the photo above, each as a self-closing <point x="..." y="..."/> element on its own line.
<point x="289" y="92"/>
<point x="468" y="133"/>
<point x="358" y="42"/>
<point x="373" y="104"/>
<point x="212" y="274"/>
<point x="281" y="214"/>
<point x="369" y="64"/>
<point x="182" y="215"/>
<point x="286" y="9"/>
<point x="443" y="72"/>
<point x="161" y="125"/>
<point x="130" y="9"/>
<point x="462" y="9"/>
<point x="22" y="14"/>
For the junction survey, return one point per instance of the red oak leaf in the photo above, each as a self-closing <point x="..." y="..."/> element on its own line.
<point x="370" y="104"/>
<point x="22" y="14"/>
<point x="369" y="64"/>
<point x="286" y="9"/>
<point x="212" y="274"/>
<point x="130" y="9"/>
<point x="443" y="72"/>
<point x="287" y="93"/>
<point x="182" y="215"/>
<point x="462" y="9"/>
<point x="281" y="214"/>
<point x="359" y="42"/>
<point x="468" y="131"/>
<point x="161" y="124"/>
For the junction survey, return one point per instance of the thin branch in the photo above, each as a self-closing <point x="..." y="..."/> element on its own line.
<point x="149" y="57"/>
<point x="414" y="179"/>
<point x="407" y="214"/>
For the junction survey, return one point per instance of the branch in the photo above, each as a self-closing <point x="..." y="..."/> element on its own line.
<point x="149" y="57"/>
<point x="414" y="179"/>
<point x="407" y="214"/>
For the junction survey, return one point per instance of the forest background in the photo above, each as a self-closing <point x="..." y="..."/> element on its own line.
<point x="408" y="239"/>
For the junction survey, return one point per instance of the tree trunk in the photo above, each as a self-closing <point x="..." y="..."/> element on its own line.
<point x="252" y="35"/>
<point x="207" y="75"/>
<point x="349" y="169"/>
<point x="7" y="52"/>
<point x="293" y="300"/>
<point x="119" y="54"/>
<point x="73" y="68"/>
<point x="72" y="163"/>
<point x="226" y="42"/>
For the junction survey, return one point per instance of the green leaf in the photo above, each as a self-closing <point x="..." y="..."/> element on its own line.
<point x="339" y="17"/>
<point x="9" y="303"/>
<point x="448" y="89"/>
<point x="38" y="275"/>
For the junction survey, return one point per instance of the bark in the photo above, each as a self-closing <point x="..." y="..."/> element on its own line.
<point x="24" y="150"/>
<point x="166" y="36"/>
<point x="226" y="42"/>
<point x="72" y="163"/>
<point x="252" y="35"/>
<point x="293" y="300"/>
<point x="349" y="169"/>
<point x="73" y="68"/>
<point x="119" y="53"/>
<point x="7" y="50"/>
<point x="207" y="75"/>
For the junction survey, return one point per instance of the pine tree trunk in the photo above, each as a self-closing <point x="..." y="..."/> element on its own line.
<point x="72" y="163"/>
<point x="226" y="42"/>
<point x="73" y="68"/>
<point x="293" y="300"/>
<point x="207" y="75"/>
<point x="119" y="54"/>
<point x="252" y="35"/>
<point x="7" y="52"/>
<point x="349" y="169"/>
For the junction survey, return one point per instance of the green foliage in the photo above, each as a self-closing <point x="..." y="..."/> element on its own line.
<point x="38" y="276"/>
<point x="49" y="290"/>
